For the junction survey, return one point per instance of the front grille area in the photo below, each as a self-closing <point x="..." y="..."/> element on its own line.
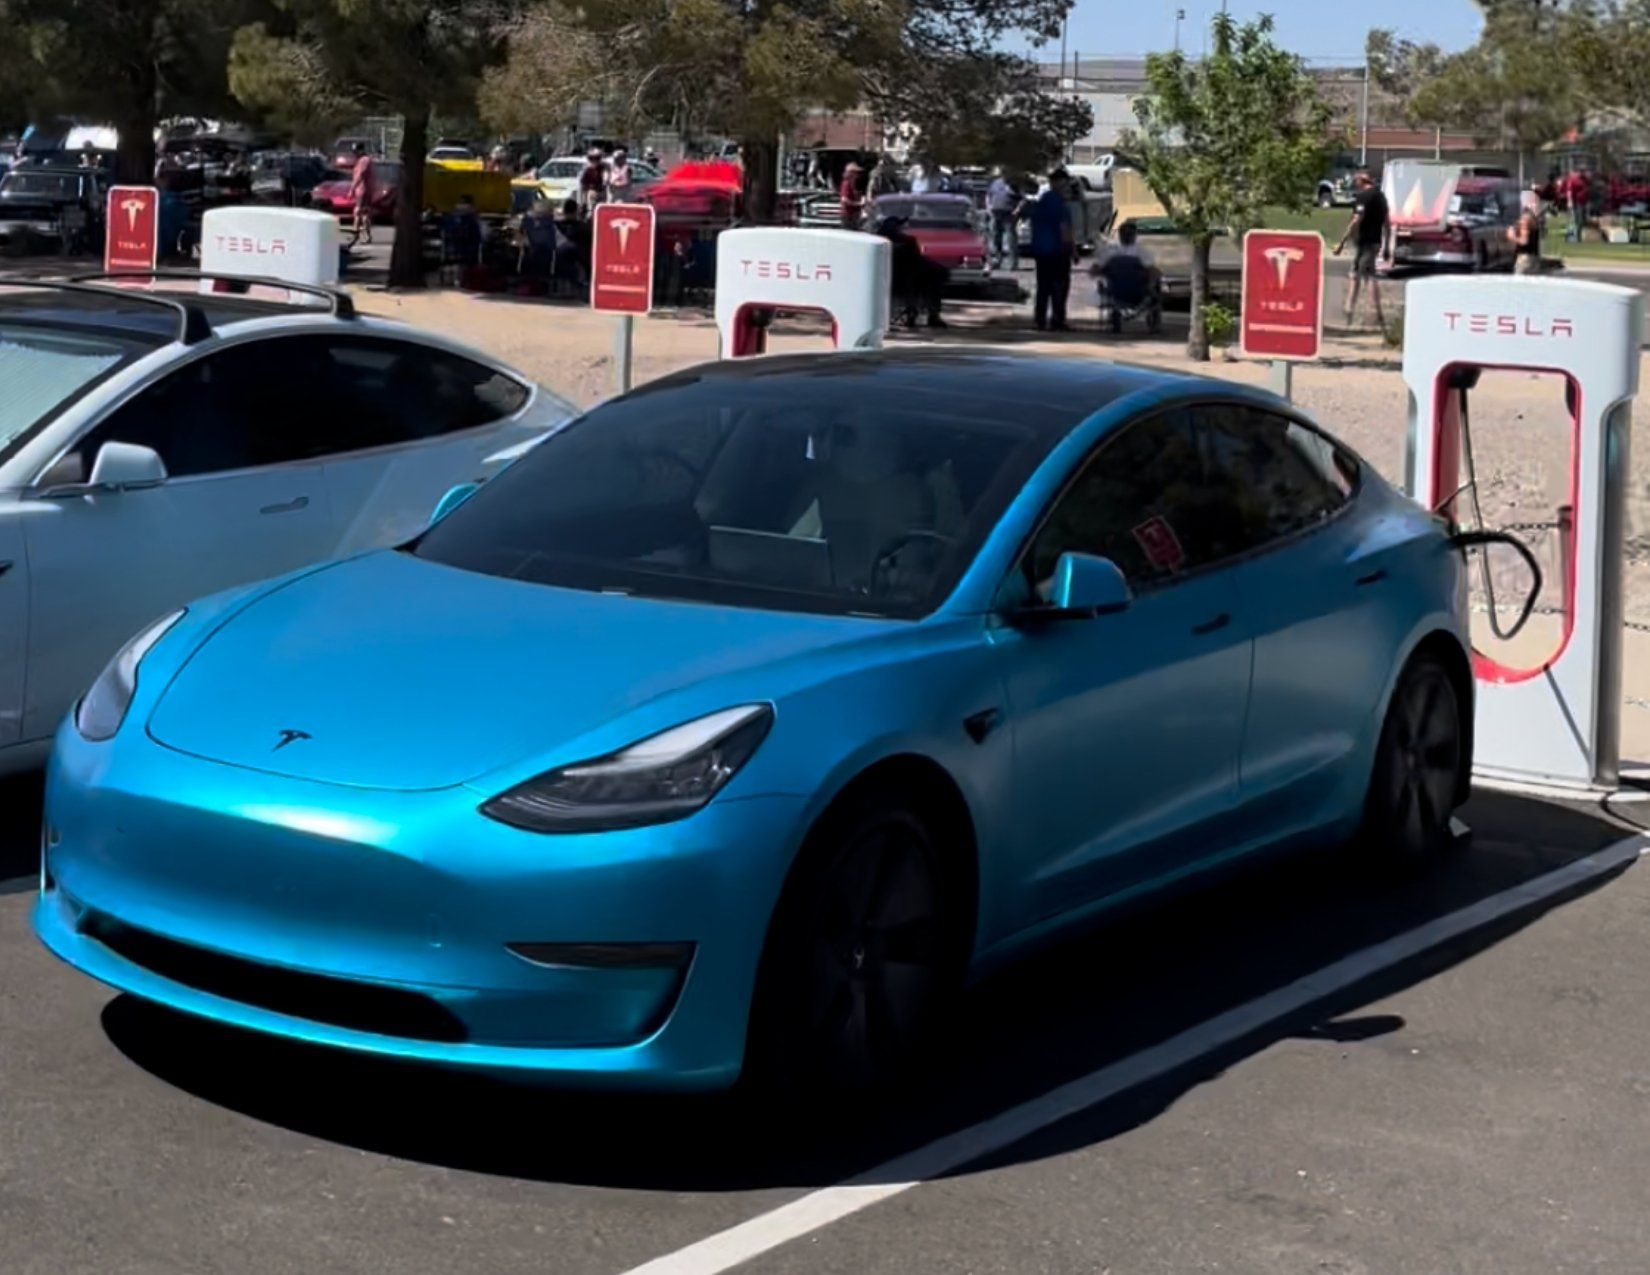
<point x="385" y="1011"/>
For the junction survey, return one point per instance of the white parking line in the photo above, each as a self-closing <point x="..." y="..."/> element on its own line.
<point x="766" y="1232"/>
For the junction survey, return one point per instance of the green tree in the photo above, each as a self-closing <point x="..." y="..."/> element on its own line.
<point x="1516" y="85"/>
<point x="322" y="60"/>
<point x="1220" y="139"/>
<point x="750" y="69"/>
<point x="129" y="63"/>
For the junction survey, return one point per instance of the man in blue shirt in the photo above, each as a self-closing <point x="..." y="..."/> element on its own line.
<point x="1002" y="201"/>
<point x="1051" y="250"/>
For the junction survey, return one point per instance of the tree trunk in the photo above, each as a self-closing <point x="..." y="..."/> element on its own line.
<point x="135" y="145"/>
<point x="1197" y="343"/>
<point x="760" y="156"/>
<point x="407" y="256"/>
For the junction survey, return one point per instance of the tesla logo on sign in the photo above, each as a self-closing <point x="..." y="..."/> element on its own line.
<point x="133" y="219"/>
<point x="1282" y="312"/>
<point x="1282" y="259"/>
<point x="621" y="258"/>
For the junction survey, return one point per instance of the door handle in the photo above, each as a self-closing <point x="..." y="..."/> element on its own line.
<point x="1211" y="626"/>
<point x="1374" y="577"/>
<point x="288" y="507"/>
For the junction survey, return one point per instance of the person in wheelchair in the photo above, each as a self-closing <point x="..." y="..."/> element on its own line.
<point x="1129" y="282"/>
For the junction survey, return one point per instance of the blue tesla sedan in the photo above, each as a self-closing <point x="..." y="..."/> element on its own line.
<point x="744" y="719"/>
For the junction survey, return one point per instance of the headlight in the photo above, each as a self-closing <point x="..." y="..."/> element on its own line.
<point x="667" y="776"/>
<point x="102" y="709"/>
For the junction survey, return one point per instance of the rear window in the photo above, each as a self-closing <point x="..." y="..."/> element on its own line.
<point x="41" y="185"/>
<point x="44" y="370"/>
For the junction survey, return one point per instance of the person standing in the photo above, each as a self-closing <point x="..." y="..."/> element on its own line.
<point x="360" y="194"/>
<point x="1002" y="203"/>
<point x="1525" y="234"/>
<point x="592" y="182"/>
<point x="923" y="181"/>
<point x="1051" y="252"/>
<point x="1367" y="228"/>
<point x="618" y="176"/>
<point x="851" y="197"/>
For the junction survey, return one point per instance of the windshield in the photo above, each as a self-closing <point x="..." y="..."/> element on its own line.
<point x="40" y="185"/>
<point x="787" y="492"/>
<point x="42" y="370"/>
<point x="561" y="168"/>
<point x="921" y="212"/>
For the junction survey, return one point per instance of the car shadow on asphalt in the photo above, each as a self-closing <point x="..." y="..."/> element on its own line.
<point x="1063" y="1014"/>
<point x="20" y="797"/>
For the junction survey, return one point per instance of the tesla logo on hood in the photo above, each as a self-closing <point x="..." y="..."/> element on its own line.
<point x="290" y="737"/>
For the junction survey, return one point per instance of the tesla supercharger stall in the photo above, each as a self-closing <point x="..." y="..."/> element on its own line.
<point x="1556" y="721"/>
<point x="298" y="245"/>
<point x="842" y="274"/>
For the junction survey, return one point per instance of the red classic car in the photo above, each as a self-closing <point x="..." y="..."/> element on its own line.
<point x="333" y="195"/>
<point x="946" y="228"/>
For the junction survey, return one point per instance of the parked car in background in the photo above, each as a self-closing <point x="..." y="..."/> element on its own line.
<point x="559" y="178"/>
<point x="1441" y="216"/>
<point x="333" y="195"/>
<point x="346" y="150"/>
<point x="156" y="446"/>
<point x="52" y="207"/>
<point x="946" y="228"/>
<point x="289" y="177"/>
<point x="1335" y="190"/>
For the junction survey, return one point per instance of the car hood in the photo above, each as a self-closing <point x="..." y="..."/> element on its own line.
<point x="386" y="671"/>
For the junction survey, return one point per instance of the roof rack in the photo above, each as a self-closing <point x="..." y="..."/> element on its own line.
<point x="193" y="325"/>
<point x="339" y="301"/>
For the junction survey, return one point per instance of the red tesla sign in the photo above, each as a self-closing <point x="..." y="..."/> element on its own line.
<point x="1282" y="294"/>
<point x="132" y="241"/>
<point x="621" y="259"/>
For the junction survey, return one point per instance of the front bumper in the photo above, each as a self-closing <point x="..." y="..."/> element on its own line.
<point x="379" y="921"/>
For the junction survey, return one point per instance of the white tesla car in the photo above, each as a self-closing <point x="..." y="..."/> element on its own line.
<point x="158" y="446"/>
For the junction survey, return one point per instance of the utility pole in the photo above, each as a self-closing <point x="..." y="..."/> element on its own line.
<point x="1179" y="17"/>
<point x="1363" y="122"/>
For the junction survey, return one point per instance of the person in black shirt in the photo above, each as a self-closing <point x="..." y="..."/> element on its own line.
<point x="1369" y="225"/>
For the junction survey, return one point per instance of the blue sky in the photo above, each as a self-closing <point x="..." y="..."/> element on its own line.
<point x="1312" y="28"/>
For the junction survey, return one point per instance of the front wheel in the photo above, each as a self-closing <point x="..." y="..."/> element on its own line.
<point x="1418" y="761"/>
<point x="861" y="956"/>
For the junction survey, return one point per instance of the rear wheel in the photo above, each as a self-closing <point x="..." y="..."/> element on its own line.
<point x="1418" y="761"/>
<point x="861" y="957"/>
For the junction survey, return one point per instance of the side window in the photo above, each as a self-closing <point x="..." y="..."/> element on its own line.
<point x="236" y="409"/>
<point x="1144" y="502"/>
<point x="386" y="392"/>
<point x="1279" y="475"/>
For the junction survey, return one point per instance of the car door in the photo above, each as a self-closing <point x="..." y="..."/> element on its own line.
<point x="1127" y="727"/>
<point x="1314" y="587"/>
<point x="410" y="421"/>
<point x="236" y="506"/>
<point x="14" y="620"/>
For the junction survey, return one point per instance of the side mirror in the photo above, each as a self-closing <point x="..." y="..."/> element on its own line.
<point x="455" y="497"/>
<point x="1084" y="586"/>
<point x="125" y="466"/>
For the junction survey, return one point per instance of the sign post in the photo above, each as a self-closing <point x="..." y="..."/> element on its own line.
<point x="131" y="239"/>
<point x="1282" y="316"/>
<point x="621" y="274"/>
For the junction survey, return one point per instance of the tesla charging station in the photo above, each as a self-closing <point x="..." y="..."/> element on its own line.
<point x="1559" y="721"/>
<point x="842" y="274"/>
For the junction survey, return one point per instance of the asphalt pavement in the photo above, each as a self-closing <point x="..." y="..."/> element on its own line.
<point x="1298" y="1069"/>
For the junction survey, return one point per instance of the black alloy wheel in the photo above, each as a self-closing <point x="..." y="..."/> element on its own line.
<point x="861" y="958"/>
<point x="1417" y="769"/>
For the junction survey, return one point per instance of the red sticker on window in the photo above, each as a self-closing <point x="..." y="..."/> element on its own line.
<point x="1160" y="544"/>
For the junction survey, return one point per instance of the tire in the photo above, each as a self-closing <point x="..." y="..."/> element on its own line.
<point x="1413" y="784"/>
<point x="861" y="959"/>
<point x="1326" y="199"/>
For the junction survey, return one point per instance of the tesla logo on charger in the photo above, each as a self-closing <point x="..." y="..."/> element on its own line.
<point x="132" y="207"/>
<point x="799" y="270"/>
<point x="250" y="244"/>
<point x="1282" y="259"/>
<point x="1508" y="324"/>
